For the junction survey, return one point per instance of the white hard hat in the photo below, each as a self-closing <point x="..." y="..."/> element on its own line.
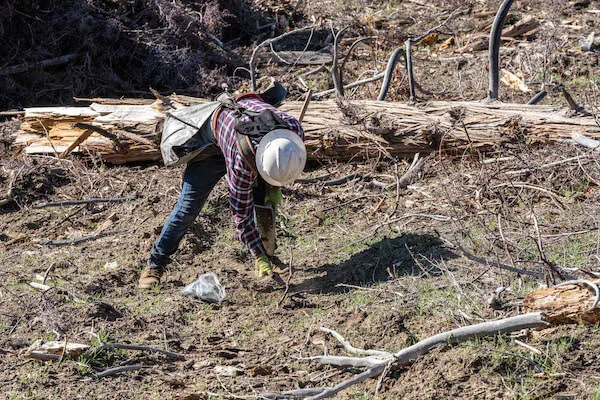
<point x="280" y="157"/>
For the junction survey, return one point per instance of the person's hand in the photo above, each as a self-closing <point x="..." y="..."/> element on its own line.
<point x="263" y="267"/>
<point x="274" y="197"/>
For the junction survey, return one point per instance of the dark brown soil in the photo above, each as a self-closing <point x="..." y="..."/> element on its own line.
<point x="380" y="267"/>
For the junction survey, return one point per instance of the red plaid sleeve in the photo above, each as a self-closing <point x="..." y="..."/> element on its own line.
<point x="240" y="178"/>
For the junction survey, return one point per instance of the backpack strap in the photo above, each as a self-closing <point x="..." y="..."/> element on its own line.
<point x="244" y="146"/>
<point x="244" y="131"/>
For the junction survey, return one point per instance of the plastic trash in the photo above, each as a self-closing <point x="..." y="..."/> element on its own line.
<point x="207" y="287"/>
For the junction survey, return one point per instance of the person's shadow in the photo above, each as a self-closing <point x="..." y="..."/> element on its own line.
<point x="384" y="260"/>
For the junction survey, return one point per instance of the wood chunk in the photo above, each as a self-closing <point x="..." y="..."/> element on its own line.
<point x="521" y="28"/>
<point x="564" y="304"/>
<point x="44" y="351"/>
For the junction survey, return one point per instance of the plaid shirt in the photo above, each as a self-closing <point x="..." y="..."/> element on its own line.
<point x="240" y="177"/>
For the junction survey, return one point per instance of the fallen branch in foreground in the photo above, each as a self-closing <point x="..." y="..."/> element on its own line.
<point x="411" y="353"/>
<point x="568" y="302"/>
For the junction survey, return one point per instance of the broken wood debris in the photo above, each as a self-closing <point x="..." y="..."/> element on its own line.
<point x="54" y="350"/>
<point x="329" y="132"/>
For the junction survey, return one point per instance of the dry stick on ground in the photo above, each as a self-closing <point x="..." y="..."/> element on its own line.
<point x="48" y="270"/>
<point x="416" y="261"/>
<point x="292" y="394"/>
<point x="48" y="137"/>
<point x="103" y="132"/>
<point x="334" y="182"/>
<point x="86" y="201"/>
<point x="252" y="63"/>
<point x="118" y="370"/>
<point x="80" y="139"/>
<point x="404" y="181"/>
<point x="107" y="346"/>
<point x="51" y="228"/>
<point x="345" y="203"/>
<point x="289" y="279"/>
<point x="415" y="167"/>
<point x="376" y="77"/>
<point x="554" y="272"/>
<point x="552" y="164"/>
<point x="493" y="263"/>
<point x="305" y="105"/>
<point x="351" y="349"/>
<point x="81" y="239"/>
<point x="505" y="242"/>
<point x="411" y="353"/>
<point x="397" y="202"/>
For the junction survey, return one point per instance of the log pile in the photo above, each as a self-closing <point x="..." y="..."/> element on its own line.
<point x="121" y="131"/>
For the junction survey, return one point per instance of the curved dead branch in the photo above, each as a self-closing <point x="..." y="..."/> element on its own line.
<point x="351" y="349"/>
<point x="411" y="353"/>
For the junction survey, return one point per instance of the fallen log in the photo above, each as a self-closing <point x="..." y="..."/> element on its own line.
<point x="357" y="129"/>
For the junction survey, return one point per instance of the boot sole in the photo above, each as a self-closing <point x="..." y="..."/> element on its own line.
<point x="147" y="285"/>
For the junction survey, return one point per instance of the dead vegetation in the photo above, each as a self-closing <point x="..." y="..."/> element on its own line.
<point x="388" y="253"/>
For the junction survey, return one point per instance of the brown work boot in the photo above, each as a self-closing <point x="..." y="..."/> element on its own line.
<point x="150" y="276"/>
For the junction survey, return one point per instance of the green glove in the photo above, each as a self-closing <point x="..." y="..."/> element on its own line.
<point x="274" y="197"/>
<point x="263" y="267"/>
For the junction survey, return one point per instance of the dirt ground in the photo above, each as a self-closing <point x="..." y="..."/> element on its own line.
<point x="382" y="267"/>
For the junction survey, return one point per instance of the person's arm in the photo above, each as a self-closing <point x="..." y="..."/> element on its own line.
<point x="241" y="199"/>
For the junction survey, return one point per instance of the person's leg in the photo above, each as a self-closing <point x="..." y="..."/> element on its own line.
<point x="199" y="179"/>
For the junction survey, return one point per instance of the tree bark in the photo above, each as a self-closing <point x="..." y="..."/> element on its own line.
<point x="565" y="304"/>
<point x="356" y="129"/>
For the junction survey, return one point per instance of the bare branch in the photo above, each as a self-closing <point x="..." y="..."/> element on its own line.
<point x="252" y="63"/>
<point x="352" y="349"/>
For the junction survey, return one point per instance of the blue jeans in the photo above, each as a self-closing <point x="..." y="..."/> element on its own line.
<point x="199" y="179"/>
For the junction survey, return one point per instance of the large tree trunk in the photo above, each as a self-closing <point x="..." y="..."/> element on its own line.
<point x="340" y="131"/>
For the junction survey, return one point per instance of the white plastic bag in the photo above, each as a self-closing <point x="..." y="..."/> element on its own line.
<point x="207" y="287"/>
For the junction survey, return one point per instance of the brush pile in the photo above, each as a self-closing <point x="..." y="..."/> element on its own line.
<point x="116" y="48"/>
